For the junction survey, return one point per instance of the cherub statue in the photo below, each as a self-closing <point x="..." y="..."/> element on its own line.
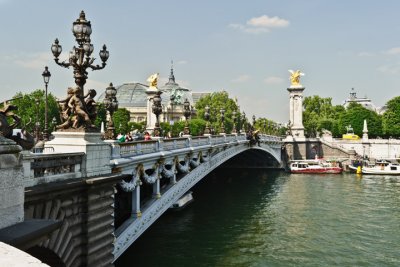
<point x="153" y="80"/>
<point x="295" y="77"/>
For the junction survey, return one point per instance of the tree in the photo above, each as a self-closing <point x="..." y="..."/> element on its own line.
<point x="29" y="111"/>
<point x="217" y="101"/>
<point x="355" y="116"/>
<point x="101" y="115"/>
<point x="121" y="118"/>
<point x="391" y="118"/>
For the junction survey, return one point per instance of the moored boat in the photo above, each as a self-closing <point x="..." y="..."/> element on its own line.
<point x="382" y="167"/>
<point x="319" y="168"/>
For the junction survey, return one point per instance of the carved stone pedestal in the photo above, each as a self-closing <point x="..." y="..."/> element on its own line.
<point x="11" y="183"/>
<point x="98" y="152"/>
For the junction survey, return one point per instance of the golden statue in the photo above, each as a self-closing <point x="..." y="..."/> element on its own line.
<point x="295" y="77"/>
<point x="153" y="79"/>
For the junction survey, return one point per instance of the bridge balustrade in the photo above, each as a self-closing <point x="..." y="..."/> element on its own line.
<point x="137" y="148"/>
<point x="175" y="143"/>
<point x="44" y="168"/>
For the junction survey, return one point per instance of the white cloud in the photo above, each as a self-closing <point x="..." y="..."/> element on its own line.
<point x="241" y="78"/>
<point x="273" y="80"/>
<point x="393" y="51"/>
<point x="365" y="54"/>
<point x="182" y="62"/>
<point x="262" y="24"/>
<point x="393" y="69"/>
<point x="32" y="61"/>
<point x="265" y="21"/>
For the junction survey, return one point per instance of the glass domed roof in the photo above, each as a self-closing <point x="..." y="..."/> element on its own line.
<point x="129" y="95"/>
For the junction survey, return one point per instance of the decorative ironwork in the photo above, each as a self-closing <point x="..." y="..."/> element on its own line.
<point x="207" y="130"/>
<point x="78" y="109"/>
<point x="46" y="78"/>
<point x="157" y="109"/>
<point x="222" y="112"/>
<point x="234" y="121"/>
<point x="111" y="105"/>
<point x="187" y="113"/>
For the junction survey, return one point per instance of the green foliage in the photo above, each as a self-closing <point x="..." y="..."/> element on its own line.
<point x="391" y="118"/>
<point x="139" y="126"/>
<point x="121" y="118"/>
<point x="30" y="112"/>
<point x="355" y="116"/>
<point x="217" y="101"/>
<point x="101" y="115"/>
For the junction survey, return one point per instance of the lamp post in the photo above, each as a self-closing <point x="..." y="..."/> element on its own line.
<point x="243" y="122"/>
<point x="37" y="124"/>
<point x="186" y="112"/>
<point x="80" y="57"/>
<point x="157" y="110"/>
<point x="54" y="122"/>
<point x="222" y="112"/>
<point x="46" y="78"/>
<point x="207" y="130"/>
<point x="172" y="99"/>
<point x="254" y="122"/>
<point x="111" y="105"/>
<point x="234" y="122"/>
<point x="265" y="125"/>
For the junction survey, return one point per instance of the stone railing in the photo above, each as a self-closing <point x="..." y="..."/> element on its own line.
<point x="44" y="168"/>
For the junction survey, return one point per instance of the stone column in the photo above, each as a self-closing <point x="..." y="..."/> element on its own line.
<point x="365" y="141"/>
<point x="156" y="189"/>
<point x="11" y="183"/>
<point x="136" y="202"/>
<point x="296" y="110"/>
<point x="151" y="117"/>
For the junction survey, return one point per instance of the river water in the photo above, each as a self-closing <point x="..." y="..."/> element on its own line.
<point x="269" y="218"/>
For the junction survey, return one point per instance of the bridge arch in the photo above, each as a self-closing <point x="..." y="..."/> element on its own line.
<point x="216" y="156"/>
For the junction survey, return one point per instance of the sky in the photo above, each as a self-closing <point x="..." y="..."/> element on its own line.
<point x="243" y="47"/>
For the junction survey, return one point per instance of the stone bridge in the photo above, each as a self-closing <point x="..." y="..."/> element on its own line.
<point x="80" y="214"/>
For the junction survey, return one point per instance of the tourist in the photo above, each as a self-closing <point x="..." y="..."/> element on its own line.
<point x="147" y="136"/>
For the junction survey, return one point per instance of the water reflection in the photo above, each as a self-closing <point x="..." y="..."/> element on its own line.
<point x="262" y="218"/>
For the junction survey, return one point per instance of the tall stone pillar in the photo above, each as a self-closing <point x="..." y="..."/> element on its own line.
<point x="11" y="183"/>
<point x="296" y="110"/>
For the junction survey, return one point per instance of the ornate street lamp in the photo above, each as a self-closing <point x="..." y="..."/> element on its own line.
<point x="222" y="112"/>
<point x="207" y="130"/>
<point x="265" y="125"/>
<point x="111" y="105"/>
<point x="37" y="124"/>
<point x="254" y="121"/>
<point x="234" y="121"/>
<point x="54" y="123"/>
<point x="46" y="78"/>
<point x="157" y="110"/>
<point x="186" y="112"/>
<point x="80" y="57"/>
<point x="243" y="122"/>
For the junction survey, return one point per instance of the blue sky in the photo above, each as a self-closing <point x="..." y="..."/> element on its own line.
<point x="243" y="47"/>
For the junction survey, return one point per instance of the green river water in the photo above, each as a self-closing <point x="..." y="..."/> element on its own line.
<point x="270" y="218"/>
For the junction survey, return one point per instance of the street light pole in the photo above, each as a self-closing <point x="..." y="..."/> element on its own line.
<point x="46" y="78"/>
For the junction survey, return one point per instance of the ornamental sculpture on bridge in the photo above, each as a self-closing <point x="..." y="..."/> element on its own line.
<point x="10" y="121"/>
<point x="295" y="78"/>
<point x="78" y="110"/>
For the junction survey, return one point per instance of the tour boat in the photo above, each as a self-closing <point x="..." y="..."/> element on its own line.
<point x="319" y="167"/>
<point x="183" y="201"/>
<point x="382" y="167"/>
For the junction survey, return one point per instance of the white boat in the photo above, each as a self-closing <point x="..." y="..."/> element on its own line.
<point x="183" y="201"/>
<point x="314" y="167"/>
<point x="383" y="167"/>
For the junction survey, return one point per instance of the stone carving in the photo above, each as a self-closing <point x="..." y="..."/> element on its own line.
<point x="295" y="78"/>
<point x="78" y="112"/>
<point x="153" y="80"/>
<point x="24" y="139"/>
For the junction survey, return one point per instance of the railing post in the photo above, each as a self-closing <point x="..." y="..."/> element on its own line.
<point x="136" y="202"/>
<point x="156" y="189"/>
